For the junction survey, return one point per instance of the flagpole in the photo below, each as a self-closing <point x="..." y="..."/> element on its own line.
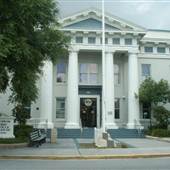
<point x="103" y="68"/>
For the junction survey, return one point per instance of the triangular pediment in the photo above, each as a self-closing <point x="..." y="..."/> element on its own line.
<point x="92" y="20"/>
<point x="90" y="24"/>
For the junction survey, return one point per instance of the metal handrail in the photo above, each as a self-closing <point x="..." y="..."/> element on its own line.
<point x="81" y="128"/>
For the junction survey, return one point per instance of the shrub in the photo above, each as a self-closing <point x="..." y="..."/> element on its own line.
<point x="159" y="132"/>
<point x="22" y="131"/>
<point x="161" y="116"/>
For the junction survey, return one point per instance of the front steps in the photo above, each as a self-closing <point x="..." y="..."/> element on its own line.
<point x="126" y="133"/>
<point x="88" y="133"/>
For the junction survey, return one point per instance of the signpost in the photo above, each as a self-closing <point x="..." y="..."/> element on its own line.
<point x="6" y="126"/>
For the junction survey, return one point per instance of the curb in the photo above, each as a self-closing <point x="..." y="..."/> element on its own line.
<point x="157" y="138"/>
<point x="87" y="157"/>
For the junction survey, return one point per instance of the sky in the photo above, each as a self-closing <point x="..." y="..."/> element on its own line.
<point x="150" y="14"/>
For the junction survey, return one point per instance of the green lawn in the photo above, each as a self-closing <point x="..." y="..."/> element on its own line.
<point x="12" y="141"/>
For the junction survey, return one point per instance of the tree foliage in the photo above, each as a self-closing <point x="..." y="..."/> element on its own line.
<point x="154" y="92"/>
<point x="157" y="94"/>
<point x="161" y="114"/>
<point x="29" y="35"/>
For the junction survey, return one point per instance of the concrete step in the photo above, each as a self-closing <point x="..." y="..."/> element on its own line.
<point x="86" y="133"/>
<point x="126" y="133"/>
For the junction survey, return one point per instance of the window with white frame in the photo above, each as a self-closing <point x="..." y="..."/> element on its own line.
<point x="161" y="49"/>
<point x="88" y="73"/>
<point x="60" y="107"/>
<point x="128" y="41"/>
<point x="146" y="70"/>
<point x="79" y="39"/>
<point x="61" y="73"/>
<point x="91" y="40"/>
<point x="117" y="108"/>
<point x="148" y="49"/>
<point x="116" y="74"/>
<point x="116" y="41"/>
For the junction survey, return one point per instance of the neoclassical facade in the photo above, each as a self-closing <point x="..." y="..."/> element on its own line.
<point x="70" y="91"/>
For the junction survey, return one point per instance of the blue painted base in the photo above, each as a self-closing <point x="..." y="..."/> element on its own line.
<point x="88" y="133"/>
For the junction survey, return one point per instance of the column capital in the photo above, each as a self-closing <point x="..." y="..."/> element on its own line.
<point x="110" y="52"/>
<point x="73" y="49"/>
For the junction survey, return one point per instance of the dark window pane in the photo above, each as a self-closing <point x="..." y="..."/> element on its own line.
<point x="128" y="41"/>
<point x="146" y="110"/>
<point x="79" y="39"/>
<point x="149" y="49"/>
<point x="116" y="40"/>
<point x="91" y="40"/>
<point x="161" y="49"/>
<point x="117" y="108"/>
<point x="60" y="107"/>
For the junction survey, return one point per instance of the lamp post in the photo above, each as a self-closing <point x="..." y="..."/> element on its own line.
<point x="103" y="68"/>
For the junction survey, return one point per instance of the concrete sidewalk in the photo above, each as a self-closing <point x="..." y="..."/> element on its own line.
<point x="69" y="149"/>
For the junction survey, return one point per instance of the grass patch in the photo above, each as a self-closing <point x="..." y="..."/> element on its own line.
<point x="12" y="140"/>
<point x="87" y="145"/>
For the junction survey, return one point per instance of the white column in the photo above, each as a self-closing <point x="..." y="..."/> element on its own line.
<point x="110" y="117"/>
<point x="47" y="95"/>
<point x="72" y="92"/>
<point x="133" y="101"/>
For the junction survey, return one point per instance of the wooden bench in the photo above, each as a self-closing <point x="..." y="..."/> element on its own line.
<point x="37" y="138"/>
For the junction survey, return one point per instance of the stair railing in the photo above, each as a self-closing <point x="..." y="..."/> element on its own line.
<point x="138" y="128"/>
<point x="81" y="128"/>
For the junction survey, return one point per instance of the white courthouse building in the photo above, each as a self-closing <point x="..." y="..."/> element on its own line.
<point x="70" y="91"/>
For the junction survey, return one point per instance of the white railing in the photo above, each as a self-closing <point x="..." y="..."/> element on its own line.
<point x="138" y="127"/>
<point x="38" y="123"/>
<point x="80" y="123"/>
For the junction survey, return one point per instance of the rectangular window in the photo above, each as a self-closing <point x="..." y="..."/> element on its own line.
<point x="161" y="49"/>
<point x="60" y="107"/>
<point x="146" y="70"/>
<point x="149" y="49"/>
<point x="83" y="73"/>
<point x="116" y="74"/>
<point x="61" y="73"/>
<point x="88" y="73"/>
<point x="146" y="110"/>
<point x="128" y="41"/>
<point x="79" y="39"/>
<point x="116" y="41"/>
<point x="91" y="40"/>
<point x="93" y="73"/>
<point x="117" y="108"/>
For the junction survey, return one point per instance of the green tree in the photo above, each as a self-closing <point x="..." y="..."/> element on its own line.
<point x="29" y="35"/>
<point x="161" y="114"/>
<point x="157" y="94"/>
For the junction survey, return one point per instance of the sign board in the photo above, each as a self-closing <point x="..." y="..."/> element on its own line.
<point x="6" y="126"/>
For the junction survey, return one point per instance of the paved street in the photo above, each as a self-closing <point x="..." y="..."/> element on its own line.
<point x="117" y="164"/>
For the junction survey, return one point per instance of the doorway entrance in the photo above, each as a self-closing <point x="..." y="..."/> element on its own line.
<point x="89" y="111"/>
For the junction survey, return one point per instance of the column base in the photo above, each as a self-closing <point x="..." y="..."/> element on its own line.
<point x="134" y="126"/>
<point x="72" y="126"/>
<point x="46" y="125"/>
<point x="111" y="126"/>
